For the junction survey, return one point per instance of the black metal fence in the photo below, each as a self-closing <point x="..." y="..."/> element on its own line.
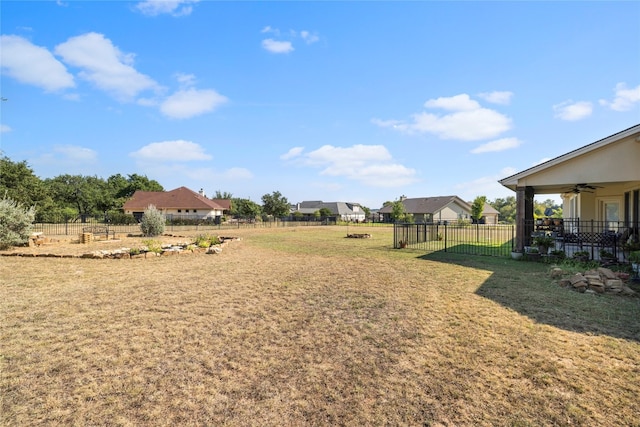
<point x="473" y="239"/>
<point x="173" y="225"/>
<point x="595" y="239"/>
<point x="570" y="237"/>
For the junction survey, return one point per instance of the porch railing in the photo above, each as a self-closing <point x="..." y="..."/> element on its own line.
<point x="570" y="235"/>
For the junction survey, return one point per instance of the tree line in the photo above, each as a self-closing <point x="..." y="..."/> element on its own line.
<point x="72" y="197"/>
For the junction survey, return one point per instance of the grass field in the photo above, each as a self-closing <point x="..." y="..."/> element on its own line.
<point x="297" y="327"/>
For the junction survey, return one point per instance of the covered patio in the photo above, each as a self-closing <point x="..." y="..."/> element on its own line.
<point x="599" y="184"/>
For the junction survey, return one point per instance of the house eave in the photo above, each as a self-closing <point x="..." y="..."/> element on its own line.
<point x="512" y="181"/>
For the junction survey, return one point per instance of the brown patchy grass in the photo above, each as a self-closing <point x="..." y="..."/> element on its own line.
<point x="304" y="327"/>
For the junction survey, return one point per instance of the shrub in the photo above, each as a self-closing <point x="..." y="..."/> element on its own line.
<point x="119" y="218"/>
<point x="15" y="223"/>
<point x="153" y="246"/>
<point x="152" y="223"/>
<point x="205" y="240"/>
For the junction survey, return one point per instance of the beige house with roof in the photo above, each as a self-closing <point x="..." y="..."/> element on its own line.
<point x="439" y="209"/>
<point x="181" y="202"/>
<point x="599" y="184"/>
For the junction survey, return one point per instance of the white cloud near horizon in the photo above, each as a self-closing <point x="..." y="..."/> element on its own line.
<point x="497" y="97"/>
<point x="573" y="111"/>
<point x="171" y="7"/>
<point x="171" y="151"/>
<point x="292" y="153"/>
<point x="33" y="65"/>
<point x="467" y="120"/>
<point x="625" y="98"/>
<point x="74" y="159"/>
<point x="485" y="186"/>
<point x="497" y="145"/>
<point x="76" y="153"/>
<point x="371" y="165"/>
<point x="187" y="103"/>
<point x="104" y="65"/>
<point x="275" y="46"/>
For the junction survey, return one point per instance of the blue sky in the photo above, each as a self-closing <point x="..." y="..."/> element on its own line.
<point x="334" y="101"/>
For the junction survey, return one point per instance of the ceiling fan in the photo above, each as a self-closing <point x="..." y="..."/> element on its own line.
<point x="582" y="188"/>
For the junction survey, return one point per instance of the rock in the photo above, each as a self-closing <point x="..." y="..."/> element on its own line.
<point x="613" y="284"/>
<point x="598" y="288"/>
<point x="576" y="278"/>
<point x="214" y="250"/>
<point x="579" y="285"/>
<point x="564" y="283"/>
<point x="607" y="273"/>
<point x="556" y="273"/>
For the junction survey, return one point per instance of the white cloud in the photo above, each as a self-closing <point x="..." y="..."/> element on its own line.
<point x="76" y="153"/>
<point x="497" y="97"/>
<point x="294" y="152"/>
<point x="370" y="165"/>
<point x="460" y="102"/>
<point x="275" y="46"/>
<point x="625" y="98"/>
<point x="171" y="151"/>
<point x="186" y="80"/>
<point x="172" y="7"/>
<point x="188" y="103"/>
<point x="73" y="159"/>
<point x="237" y="174"/>
<point x="33" y="65"/>
<point x="542" y="160"/>
<point x="498" y="145"/>
<point x="105" y="65"/>
<point x="5" y="128"/>
<point x="468" y="122"/>
<point x="308" y="37"/>
<point x="485" y="186"/>
<point x="572" y="111"/>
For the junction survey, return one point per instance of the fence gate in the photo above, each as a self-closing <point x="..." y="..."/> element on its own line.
<point x="472" y="239"/>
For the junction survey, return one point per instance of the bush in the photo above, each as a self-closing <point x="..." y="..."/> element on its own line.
<point x="120" y="218"/>
<point x="152" y="223"/>
<point x="206" y="240"/>
<point x="15" y="223"/>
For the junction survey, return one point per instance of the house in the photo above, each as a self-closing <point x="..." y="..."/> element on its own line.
<point x="439" y="209"/>
<point x="342" y="210"/>
<point x="181" y="202"/>
<point x="599" y="184"/>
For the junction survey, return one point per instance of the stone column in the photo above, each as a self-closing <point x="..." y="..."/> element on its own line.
<point x="524" y="216"/>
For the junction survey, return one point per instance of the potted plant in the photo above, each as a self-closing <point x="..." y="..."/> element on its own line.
<point x="634" y="259"/>
<point x="605" y="255"/>
<point x="516" y="254"/>
<point x="557" y="254"/>
<point x="582" y="256"/>
<point x="533" y="254"/>
<point x="543" y="243"/>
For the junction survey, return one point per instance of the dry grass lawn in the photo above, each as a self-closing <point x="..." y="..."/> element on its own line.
<point x="297" y="327"/>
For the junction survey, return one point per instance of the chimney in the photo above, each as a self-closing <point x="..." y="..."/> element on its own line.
<point x="202" y="192"/>
<point x="403" y="198"/>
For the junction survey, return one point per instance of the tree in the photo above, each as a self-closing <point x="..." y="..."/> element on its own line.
<point x="275" y="204"/>
<point x="506" y="209"/>
<point x="245" y="208"/>
<point x="15" y="223"/>
<point x="223" y="195"/>
<point x="139" y="182"/>
<point x="367" y="212"/>
<point x="20" y="184"/>
<point x="325" y="212"/>
<point x="399" y="212"/>
<point x="477" y="207"/>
